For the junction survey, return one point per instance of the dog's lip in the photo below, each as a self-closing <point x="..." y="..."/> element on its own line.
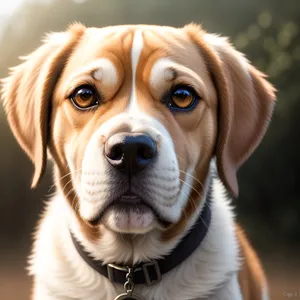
<point x="128" y="199"/>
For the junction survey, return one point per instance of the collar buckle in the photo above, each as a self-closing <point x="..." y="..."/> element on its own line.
<point x="151" y="272"/>
<point x="146" y="267"/>
<point x="111" y="268"/>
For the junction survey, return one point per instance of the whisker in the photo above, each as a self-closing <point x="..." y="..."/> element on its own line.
<point x="192" y="177"/>
<point x="185" y="215"/>
<point x="70" y="191"/>
<point x="52" y="186"/>
<point x="198" y="212"/>
<point x="122" y="236"/>
<point x="142" y="240"/>
<point x="199" y="194"/>
<point x="66" y="185"/>
<point x="50" y="195"/>
<point x="193" y="201"/>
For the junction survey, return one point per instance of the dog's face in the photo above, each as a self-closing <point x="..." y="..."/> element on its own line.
<point x="133" y="118"/>
<point x="133" y="115"/>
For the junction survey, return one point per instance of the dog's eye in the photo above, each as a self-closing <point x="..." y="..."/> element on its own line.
<point x="84" y="97"/>
<point x="183" y="98"/>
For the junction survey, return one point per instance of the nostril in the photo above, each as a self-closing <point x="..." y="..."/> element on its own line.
<point x="116" y="152"/>
<point x="146" y="151"/>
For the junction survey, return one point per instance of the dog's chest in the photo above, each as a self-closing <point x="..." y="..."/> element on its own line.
<point x="57" y="264"/>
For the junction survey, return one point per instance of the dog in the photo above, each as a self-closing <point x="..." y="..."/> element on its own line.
<point x="147" y="127"/>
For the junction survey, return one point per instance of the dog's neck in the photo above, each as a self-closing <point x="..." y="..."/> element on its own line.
<point x="190" y="242"/>
<point x="130" y="249"/>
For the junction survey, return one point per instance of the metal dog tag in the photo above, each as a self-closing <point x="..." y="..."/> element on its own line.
<point x="127" y="296"/>
<point x="129" y="287"/>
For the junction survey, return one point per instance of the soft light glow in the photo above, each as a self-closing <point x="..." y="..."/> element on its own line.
<point x="8" y="7"/>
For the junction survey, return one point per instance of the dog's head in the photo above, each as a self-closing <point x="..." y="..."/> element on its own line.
<point x="132" y="117"/>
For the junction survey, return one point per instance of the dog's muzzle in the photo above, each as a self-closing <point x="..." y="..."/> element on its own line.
<point x="130" y="153"/>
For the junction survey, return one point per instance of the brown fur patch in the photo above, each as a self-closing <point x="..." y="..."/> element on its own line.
<point x="27" y="95"/>
<point x="246" y="102"/>
<point x="251" y="276"/>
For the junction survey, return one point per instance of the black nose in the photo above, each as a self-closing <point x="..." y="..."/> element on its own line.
<point x="130" y="153"/>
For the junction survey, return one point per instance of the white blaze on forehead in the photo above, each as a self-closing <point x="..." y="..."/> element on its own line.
<point x="136" y="50"/>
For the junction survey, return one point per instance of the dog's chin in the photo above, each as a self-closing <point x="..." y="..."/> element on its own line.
<point x="130" y="218"/>
<point x="130" y="215"/>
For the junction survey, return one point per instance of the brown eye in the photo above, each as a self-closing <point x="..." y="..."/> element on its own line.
<point x="183" y="98"/>
<point x="84" y="98"/>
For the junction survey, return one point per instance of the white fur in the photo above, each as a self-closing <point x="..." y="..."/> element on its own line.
<point x="63" y="274"/>
<point x="101" y="69"/>
<point x="106" y="72"/>
<point x="160" y="72"/>
<point x="94" y="188"/>
<point x="230" y="291"/>
<point x="136" y="50"/>
<point x="160" y="76"/>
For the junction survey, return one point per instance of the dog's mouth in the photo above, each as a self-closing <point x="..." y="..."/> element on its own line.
<point x="129" y="212"/>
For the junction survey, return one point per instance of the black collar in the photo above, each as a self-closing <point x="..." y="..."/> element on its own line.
<point x="151" y="272"/>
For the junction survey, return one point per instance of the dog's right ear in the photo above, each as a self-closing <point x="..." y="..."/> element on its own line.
<point x="27" y="94"/>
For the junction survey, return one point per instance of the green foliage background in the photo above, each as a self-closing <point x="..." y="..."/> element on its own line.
<point x="267" y="31"/>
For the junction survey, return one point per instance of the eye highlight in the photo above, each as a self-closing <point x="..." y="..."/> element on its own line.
<point x="182" y="98"/>
<point x="84" y="97"/>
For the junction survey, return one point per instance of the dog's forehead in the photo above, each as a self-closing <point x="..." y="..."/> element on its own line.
<point x="116" y="42"/>
<point x="154" y="36"/>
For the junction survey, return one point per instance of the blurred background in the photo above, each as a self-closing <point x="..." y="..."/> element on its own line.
<point x="268" y="31"/>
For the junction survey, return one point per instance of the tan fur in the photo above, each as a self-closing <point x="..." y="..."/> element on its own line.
<point x="65" y="118"/>
<point x="28" y="92"/>
<point x="229" y="121"/>
<point x="251" y="276"/>
<point x="247" y="102"/>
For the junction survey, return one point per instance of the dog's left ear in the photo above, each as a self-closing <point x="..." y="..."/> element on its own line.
<point x="27" y="94"/>
<point x="246" y="102"/>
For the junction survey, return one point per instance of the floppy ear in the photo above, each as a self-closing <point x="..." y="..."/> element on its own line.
<point x="27" y="94"/>
<point x="246" y="102"/>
